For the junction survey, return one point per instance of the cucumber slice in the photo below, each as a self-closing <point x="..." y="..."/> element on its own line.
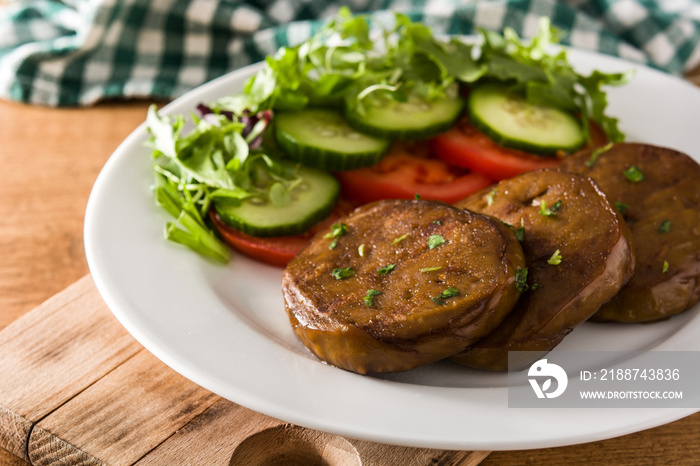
<point x="312" y="201"/>
<point x="322" y="139"/>
<point x="511" y="121"/>
<point x="412" y="120"/>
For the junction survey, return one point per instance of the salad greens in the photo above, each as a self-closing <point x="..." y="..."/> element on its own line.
<point x="222" y="158"/>
<point x="548" y="79"/>
<point x="344" y="64"/>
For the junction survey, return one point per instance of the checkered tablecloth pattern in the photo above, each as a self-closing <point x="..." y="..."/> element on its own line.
<point x="77" y="52"/>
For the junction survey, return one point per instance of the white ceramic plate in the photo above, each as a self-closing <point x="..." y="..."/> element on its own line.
<point x="224" y="327"/>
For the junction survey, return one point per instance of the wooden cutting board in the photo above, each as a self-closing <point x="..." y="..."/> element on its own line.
<point x="76" y="388"/>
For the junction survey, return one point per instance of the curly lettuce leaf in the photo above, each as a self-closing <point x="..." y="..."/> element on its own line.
<point x="345" y="64"/>
<point x="219" y="160"/>
<point x="547" y="78"/>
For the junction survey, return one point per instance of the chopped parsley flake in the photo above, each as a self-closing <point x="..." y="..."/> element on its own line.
<point x="519" y="234"/>
<point x="341" y="274"/>
<point x="555" y="259"/>
<point x="386" y="269"/>
<point x="337" y="229"/>
<point x="597" y="153"/>
<point x="491" y="195"/>
<point x="621" y="207"/>
<point x="634" y="174"/>
<point x="521" y="280"/>
<point x="435" y="241"/>
<point x="664" y="269"/>
<point x="535" y="286"/>
<point x="430" y="269"/>
<point x="400" y="238"/>
<point x="520" y="231"/>
<point x="438" y="222"/>
<point x="448" y="293"/>
<point x="369" y="297"/>
<point x="416" y="197"/>
<point x="546" y="211"/>
<point x="665" y="226"/>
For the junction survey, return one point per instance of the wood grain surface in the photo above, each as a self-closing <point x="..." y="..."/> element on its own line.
<point x="64" y="344"/>
<point x="133" y="409"/>
<point x="261" y="440"/>
<point x="51" y="157"/>
<point x="104" y="400"/>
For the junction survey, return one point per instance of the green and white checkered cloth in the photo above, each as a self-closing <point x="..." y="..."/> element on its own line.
<point x="77" y="52"/>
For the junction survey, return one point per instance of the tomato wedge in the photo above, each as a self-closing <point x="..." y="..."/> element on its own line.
<point x="466" y="146"/>
<point x="278" y="250"/>
<point x="409" y="169"/>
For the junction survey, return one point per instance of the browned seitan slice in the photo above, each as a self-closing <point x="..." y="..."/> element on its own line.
<point x="561" y="215"/>
<point x="444" y="278"/>
<point x="660" y="200"/>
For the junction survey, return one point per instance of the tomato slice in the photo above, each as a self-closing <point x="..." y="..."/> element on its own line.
<point x="409" y="169"/>
<point x="277" y="250"/>
<point x="466" y="146"/>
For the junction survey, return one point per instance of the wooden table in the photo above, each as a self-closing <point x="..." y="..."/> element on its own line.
<point x="49" y="159"/>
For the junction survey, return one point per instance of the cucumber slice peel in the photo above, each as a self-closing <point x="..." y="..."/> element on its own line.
<point x="511" y="121"/>
<point x="412" y="120"/>
<point x="312" y="201"/>
<point x="322" y="138"/>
